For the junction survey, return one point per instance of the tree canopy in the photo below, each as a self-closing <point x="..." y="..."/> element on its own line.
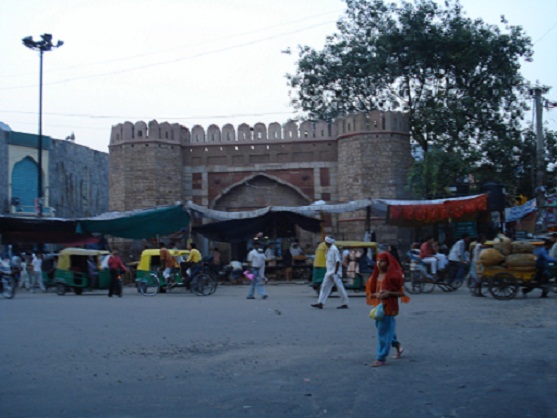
<point x="457" y="78"/>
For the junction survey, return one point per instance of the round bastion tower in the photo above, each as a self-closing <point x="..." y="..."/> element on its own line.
<point x="146" y="165"/>
<point x="374" y="156"/>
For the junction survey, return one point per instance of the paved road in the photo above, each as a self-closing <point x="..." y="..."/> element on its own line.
<point x="180" y="355"/>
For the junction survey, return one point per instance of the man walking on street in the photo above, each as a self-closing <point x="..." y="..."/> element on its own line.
<point x="459" y="259"/>
<point x="332" y="277"/>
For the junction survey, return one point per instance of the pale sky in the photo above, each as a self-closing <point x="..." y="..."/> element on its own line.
<point x="193" y="62"/>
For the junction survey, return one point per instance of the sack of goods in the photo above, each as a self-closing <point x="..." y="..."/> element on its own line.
<point x="522" y="247"/>
<point x="503" y="244"/>
<point x="491" y="257"/>
<point x="521" y="260"/>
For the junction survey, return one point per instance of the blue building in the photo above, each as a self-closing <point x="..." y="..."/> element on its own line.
<point x="75" y="178"/>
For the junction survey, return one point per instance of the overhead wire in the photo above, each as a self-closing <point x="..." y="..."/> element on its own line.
<point x="147" y="54"/>
<point x="171" y="61"/>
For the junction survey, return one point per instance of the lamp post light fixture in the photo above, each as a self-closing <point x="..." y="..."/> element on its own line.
<point x="45" y="44"/>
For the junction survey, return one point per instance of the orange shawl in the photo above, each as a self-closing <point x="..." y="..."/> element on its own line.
<point x="393" y="282"/>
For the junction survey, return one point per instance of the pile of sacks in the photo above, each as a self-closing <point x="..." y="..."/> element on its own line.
<point x="515" y="255"/>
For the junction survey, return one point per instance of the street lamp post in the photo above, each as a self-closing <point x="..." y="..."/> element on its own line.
<point x="45" y="44"/>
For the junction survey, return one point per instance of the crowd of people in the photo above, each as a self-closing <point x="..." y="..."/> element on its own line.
<point x="382" y="273"/>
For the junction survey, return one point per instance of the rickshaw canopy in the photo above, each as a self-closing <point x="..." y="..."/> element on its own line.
<point x="147" y="255"/>
<point x="64" y="256"/>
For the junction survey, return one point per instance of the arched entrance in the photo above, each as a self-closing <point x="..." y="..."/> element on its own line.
<point x="25" y="181"/>
<point x="257" y="192"/>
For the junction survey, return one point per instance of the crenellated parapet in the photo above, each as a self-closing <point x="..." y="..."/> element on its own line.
<point x="126" y="132"/>
<point x="364" y="122"/>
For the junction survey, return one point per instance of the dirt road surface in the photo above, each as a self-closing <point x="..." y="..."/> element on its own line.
<point x="180" y="355"/>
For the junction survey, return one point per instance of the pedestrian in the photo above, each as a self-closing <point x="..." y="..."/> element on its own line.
<point x="216" y="261"/>
<point x="25" y="279"/>
<point x="115" y="266"/>
<point x="394" y="252"/>
<point x="458" y="259"/>
<point x="256" y="261"/>
<point x="37" y="272"/>
<point x="476" y="284"/>
<point x="385" y="286"/>
<point x="287" y="264"/>
<point x="16" y="264"/>
<point x="332" y="277"/>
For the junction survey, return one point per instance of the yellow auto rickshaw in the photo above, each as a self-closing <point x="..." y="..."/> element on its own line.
<point x="354" y="272"/>
<point x="78" y="269"/>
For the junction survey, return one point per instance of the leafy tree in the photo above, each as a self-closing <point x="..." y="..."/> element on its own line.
<point x="457" y="78"/>
<point x="428" y="175"/>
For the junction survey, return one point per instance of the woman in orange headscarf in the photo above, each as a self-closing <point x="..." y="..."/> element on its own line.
<point x="385" y="286"/>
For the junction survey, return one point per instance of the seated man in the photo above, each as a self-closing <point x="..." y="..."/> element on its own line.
<point x="427" y="254"/>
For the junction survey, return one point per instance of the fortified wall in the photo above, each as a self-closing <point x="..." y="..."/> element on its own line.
<point x="364" y="155"/>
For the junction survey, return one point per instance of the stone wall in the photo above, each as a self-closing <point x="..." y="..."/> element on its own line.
<point x="78" y="180"/>
<point x="359" y="156"/>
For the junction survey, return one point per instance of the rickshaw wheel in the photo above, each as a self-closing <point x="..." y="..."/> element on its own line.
<point x="78" y="290"/>
<point x="412" y="283"/>
<point x="503" y="286"/>
<point x="60" y="289"/>
<point x="426" y="284"/>
<point x="148" y="286"/>
<point x="206" y="285"/>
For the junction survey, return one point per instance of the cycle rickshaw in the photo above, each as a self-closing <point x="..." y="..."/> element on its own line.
<point x="149" y="279"/>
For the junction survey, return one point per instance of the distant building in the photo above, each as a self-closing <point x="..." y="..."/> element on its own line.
<point x="75" y="178"/>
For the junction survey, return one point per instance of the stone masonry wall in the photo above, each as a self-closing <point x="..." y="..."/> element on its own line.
<point x="355" y="157"/>
<point x="78" y="180"/>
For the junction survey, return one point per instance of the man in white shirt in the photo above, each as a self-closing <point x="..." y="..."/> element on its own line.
<point x="459" y="259"/>
<point x="332" y="277"/>
<point x="256" y="261"/>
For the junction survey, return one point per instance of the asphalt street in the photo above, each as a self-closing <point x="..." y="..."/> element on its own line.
<point x="180" y="355"/>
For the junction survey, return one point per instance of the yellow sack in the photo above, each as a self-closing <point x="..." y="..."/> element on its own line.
<point x="491" y="257"/>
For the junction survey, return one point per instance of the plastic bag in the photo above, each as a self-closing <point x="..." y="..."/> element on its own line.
<point x="378" y="312"/>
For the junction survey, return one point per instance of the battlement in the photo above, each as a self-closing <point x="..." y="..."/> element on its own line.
<point x="365" y="122"/>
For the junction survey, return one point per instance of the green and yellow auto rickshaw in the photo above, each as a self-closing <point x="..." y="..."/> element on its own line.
<point x="79" y="269"/>
<point x="355" y="271"/>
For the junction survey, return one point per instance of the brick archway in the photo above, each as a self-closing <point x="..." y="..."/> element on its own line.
<point x="259" y="191"/>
